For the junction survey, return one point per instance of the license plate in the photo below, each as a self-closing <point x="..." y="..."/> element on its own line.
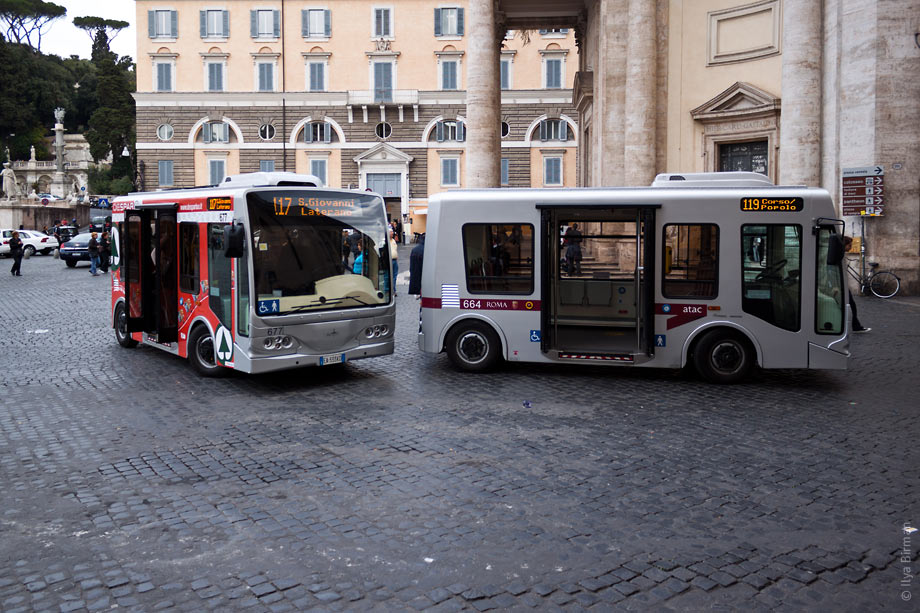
<point x="332" y="358"/>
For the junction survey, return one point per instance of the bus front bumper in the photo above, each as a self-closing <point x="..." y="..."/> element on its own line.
<point x="824" y="358"/>
<point x="264" y="364"/>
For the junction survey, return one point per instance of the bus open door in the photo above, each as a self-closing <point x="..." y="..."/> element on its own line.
<point x="151" y="272"/>
<point x="598" y="283"/>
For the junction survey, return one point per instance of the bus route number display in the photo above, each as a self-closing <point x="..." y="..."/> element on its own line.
<point x="772" y="205"/>
<point x="286" y="206"/>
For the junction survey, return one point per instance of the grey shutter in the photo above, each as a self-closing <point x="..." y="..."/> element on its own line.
<point x="276" y="19"/>
<point x="460" y="22"/>
<point x="174" y="23"/>
<point x="505" y="65"/>
<point x="504" y="172"/>
<point x="327" y="134"/>
<point x="543" y="130"/>
<point x="439" y="132"/>
<point x="327" y="18"/>
<point x="437" y="22"/>
<point x="461" y="132"/>
<point x="254" y="23"/>
<point x="563" y="130"/>
<point x="203" y="18"/>
<point x="225" y="31"/>
<point x="152" y="24"/>
<point x="206" y="132"/>
<point x="305" y="23"/>
<point x="225" y="132"/>
<point x="308" y="133"/>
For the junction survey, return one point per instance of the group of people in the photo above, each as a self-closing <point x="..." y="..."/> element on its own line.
<point x="100" y="253"/>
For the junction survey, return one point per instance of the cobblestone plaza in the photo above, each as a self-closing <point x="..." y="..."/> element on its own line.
<point x="399" y="484"/>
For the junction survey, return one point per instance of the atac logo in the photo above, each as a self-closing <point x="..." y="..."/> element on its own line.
<point x="666" y="308"/>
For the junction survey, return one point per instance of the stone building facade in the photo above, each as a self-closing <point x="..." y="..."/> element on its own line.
<point x="361" y="93"/>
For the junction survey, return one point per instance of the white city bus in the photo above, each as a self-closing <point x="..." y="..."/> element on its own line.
<point x="721" y="271"/>
<point x="251" y="274"/>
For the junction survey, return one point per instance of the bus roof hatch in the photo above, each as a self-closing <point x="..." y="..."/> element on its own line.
<point x="266" y="179"/>
<point x="712" y="179"/>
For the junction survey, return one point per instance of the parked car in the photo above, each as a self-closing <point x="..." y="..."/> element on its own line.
<point x="32" y="241"/>
<point x="76" y="250"/>
<point x="65" y="232"/>
<point x="49" y="197"/>
<point x="100" y="223"/>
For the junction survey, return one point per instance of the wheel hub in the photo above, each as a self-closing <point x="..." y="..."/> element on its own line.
<point x="473" y="347"/>
<point x="727" y="357"/>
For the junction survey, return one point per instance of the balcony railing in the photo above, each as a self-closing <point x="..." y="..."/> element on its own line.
<point x="382" y="96"/>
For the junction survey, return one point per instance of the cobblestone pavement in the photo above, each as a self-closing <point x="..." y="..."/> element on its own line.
<point x="399" y="483"/>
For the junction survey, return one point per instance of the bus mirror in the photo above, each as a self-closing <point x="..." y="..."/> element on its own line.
<point x="233" y="241"/>
<point x="834" y="249"/>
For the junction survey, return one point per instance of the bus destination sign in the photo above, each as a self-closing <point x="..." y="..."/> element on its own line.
<point x="303" y="206"/>
<point x="772" y="205"/>
<point x="220" y="203"/>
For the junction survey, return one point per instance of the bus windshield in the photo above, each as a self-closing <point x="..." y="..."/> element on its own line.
<point x="315" y="251"/>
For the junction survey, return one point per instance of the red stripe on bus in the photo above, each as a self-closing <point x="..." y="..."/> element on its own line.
<point x="431" y="303"/>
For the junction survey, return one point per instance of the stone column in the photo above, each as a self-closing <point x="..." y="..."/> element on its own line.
<point x="800" y="122"/>
<point x="641" y="102"/>
<point x="609" y="94"/>
<point x="483" y="97"/>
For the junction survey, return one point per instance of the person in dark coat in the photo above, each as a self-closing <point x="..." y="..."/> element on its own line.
<point x="415" y="267"/>
<point x="105" y="252"/>
<point x="16" y="251"/>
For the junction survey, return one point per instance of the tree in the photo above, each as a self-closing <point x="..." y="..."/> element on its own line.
<point x="24" y="19"/>
<point x="101" y="31"/>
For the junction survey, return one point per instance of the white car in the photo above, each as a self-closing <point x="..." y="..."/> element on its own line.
<point x="32" y="241"/>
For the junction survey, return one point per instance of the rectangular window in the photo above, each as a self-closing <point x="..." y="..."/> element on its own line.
<point x="448" y="22"/>
<point x="162" y="24"/>
<point x="750" y="157"/>
<point x="498" y="258"/>
<point x="317" y="79"/>
<point x="450" y="171"/>
<point x="317" y="132"/>
<point x="266" y="77"/>
<point x="382" y="23"/>
<point x="215" y="24"/>
<point x="264" y="24"/>
<point x="217" y="171"/>
<point x="690" y="266"/>
<point x="219" y="275"/>
<point x="506" y="74"/>
<point x="165" y="173"/>
<point x="554" y="129"/>
<point x="450" y="131"/>
<point x="266" y="165"/>
<point x="216" y="132"/>
<point x="553" y="74"/>
<point x="771" y="257"/>
<point x="318" y="169"/>
<point x="383" y="82"/>
<point x="505" y="175"/>
<point x="164" y="76"/>
<point x="189" y="267"/>
<point x="829" y="291"/>
<point x="449" y="75"/>
<point x="316" y="23"/>
<point x="552" y="171"/>
<point x="215" y="76"/>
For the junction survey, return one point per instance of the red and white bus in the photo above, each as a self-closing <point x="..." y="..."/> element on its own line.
<point x="251" y="274"/>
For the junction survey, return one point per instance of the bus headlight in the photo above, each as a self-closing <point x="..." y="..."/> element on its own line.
<point x="269" y="343"/>
<point x="287" y="342"/>
<point x="276" y="343"/>
<point x="376" y="331"/>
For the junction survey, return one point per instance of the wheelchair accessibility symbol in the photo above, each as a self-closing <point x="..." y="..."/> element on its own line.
<point x="269" y="307"/>
<point x="534" y="336"/>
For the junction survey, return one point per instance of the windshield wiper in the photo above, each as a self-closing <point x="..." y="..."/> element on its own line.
<point x="308" y="307"/>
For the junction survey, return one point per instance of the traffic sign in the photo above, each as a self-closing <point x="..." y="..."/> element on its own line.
<point x="863" y="191"/>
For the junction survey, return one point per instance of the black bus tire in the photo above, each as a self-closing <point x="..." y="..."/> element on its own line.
<point x="120" y="324"/>
<point x="722" y="356"/>
<point x="201" y="353"/>
<point x="473" y="346"/>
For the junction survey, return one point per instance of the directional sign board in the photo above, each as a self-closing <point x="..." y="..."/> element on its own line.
<point x="863" y="191"/>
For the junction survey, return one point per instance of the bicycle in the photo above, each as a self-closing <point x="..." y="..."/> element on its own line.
<point x="882" y="283"/>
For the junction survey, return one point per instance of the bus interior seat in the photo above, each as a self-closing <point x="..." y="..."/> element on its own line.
<point x="599" y="293"/>
<point x="571" y="291"/>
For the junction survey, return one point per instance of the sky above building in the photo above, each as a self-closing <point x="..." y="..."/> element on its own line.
<point x="64" y="39"/>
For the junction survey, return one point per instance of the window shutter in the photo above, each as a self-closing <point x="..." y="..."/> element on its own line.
<point x="174" y="23"/>
<point x="461" y="132"/>
<point x="437" y="22"/>
<point x="327" y="18"/>
<point x="563" y="130"/>
<point x="460" y="22"/>
<point x="439" y="132"/>
<point x="225" y="30"/>
<point x="276" y="18"/>
<point x="305" y="23"/>
<point x="543" y="130"/>
<point x="206" y="132"/>
<point x="254" y="23"/>
<point x="308" y="133"/>
<point x="152" y="24"/>
<point x="327" y="133"/>
<point x="203" y="18"/>
<point x="225" y="132"/>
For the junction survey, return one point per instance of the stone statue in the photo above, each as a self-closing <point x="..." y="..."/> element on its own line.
<point x="32" y="153"/>
<point x="59" y="114"/>
<point x="10" y="187"/>
<point x="33" y="195"/>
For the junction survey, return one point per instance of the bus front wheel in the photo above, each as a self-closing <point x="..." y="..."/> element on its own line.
<point x="722" y="357"/>
<point x="121" y="328"/>
<point x="473" y="346"/>
<point x="201" y="353"/>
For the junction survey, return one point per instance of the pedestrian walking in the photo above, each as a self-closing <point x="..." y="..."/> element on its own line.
<point x="16" y="253"/>
<point x="395" y="258"/>
<point x="105" y="252"/>
<point x="93" y="249"/>
<point x="416" y="257"/>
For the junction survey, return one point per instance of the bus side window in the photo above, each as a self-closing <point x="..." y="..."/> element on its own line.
<point x="219" y="275"/>
<point x="189" y="265"/>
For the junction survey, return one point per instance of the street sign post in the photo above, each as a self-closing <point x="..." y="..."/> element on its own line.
<point x="863" y="191"/>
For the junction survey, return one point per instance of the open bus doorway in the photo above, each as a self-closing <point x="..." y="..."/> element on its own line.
<point x="149" y="259"/>
<point x="598" y="285"/>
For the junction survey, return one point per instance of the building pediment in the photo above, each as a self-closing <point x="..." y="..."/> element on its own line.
<point x="740" y="100"/>
<point x="383" y="152"/>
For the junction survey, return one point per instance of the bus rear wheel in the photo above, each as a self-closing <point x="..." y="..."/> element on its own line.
<point x="722" y="357"/>
<point x="121" y="328"/>
<point x="201" y="353"/>
<point x="473" y="346"/>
